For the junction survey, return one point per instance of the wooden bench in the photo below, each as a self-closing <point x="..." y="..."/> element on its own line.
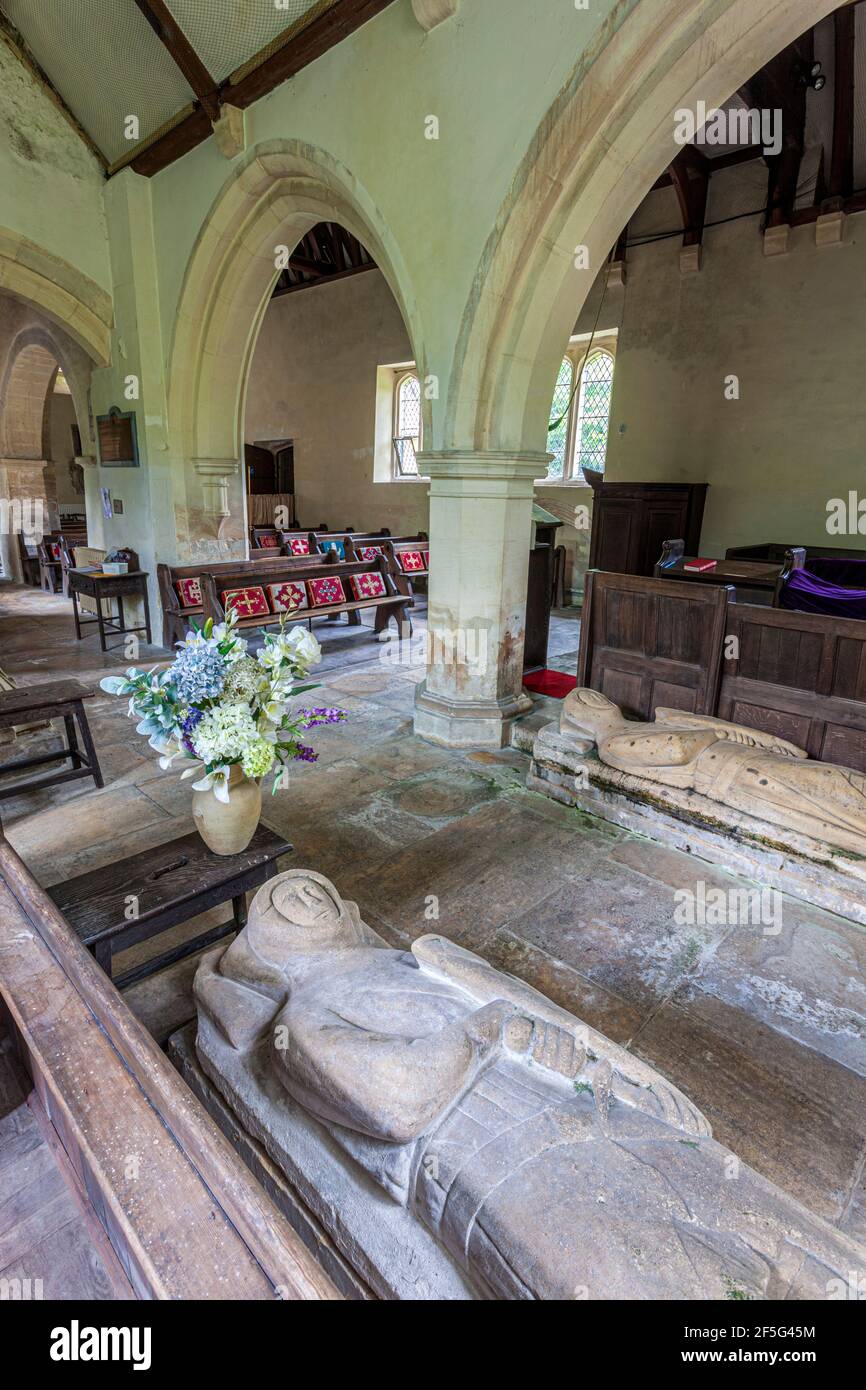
<point x="258" y="609"/>
<point x="53" y="554"/>
<point x="52" y="700"/>
<point x="168" y="884"/>
<point x="403" y="553"/>
<point x="177" y="616"/>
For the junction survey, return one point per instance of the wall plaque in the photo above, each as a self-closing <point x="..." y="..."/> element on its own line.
<point x="118" y="441"/>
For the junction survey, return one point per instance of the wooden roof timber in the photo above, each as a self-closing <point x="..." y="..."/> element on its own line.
<point x="247" y="85"/>
<point x="169" y="33"/>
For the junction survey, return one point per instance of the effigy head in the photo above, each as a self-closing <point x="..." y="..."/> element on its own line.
<point x="589" y="715"/>
<point x="301" y="910"/>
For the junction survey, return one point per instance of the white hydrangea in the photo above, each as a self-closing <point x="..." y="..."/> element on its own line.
<point x="224" y="733"/>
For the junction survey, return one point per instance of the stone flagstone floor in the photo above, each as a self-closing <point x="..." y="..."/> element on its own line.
<point x="766" y="1033"/>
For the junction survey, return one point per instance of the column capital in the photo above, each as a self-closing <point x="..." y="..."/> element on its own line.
<point x="485" y="465"/>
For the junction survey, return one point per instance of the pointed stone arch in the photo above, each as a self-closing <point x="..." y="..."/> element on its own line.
<point x="63" y="294"/>
<point x="601" y="146"/>
<point x="275" y="196"/>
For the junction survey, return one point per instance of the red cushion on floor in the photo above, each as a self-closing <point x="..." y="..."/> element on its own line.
<point x="554" y="683"/>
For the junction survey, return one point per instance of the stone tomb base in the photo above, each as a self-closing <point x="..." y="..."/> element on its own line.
<point x="685" y="820"/>
<point x="368" y="1245"/>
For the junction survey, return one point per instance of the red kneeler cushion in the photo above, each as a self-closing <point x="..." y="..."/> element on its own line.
<point x="323" y="591"/>
<point x="367" y="585"/>
<point x="247" y="603"/>
<point x="369" y="552"/>
<point x="410" y="561"/>
<point x="299" y="545"/>
<point x="287" y="597"/>
<point x="54" y="550"/>
<point x="269" y="542"/>
<point x="189" y="592"/>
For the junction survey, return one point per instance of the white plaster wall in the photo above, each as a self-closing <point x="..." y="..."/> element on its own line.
<point x="313" y="380"/>
<point x="790" y="327"/>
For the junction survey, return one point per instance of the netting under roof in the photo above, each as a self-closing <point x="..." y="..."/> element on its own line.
<point x="107" y="63"/>
<point x="227" y="33"/>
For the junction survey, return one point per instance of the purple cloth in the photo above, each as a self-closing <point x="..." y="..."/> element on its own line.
<point x="844" y="570"/>
<point x="806" y="593"/>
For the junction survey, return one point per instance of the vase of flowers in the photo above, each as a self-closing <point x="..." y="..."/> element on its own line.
<point x="229" y="717"/>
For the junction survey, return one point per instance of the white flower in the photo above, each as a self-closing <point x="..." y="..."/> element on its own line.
<point x="224" y="733"/>
<point x="217" y="782"/>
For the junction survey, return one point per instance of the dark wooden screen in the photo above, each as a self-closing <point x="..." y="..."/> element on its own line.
<point x="800" y="675"/>
<point x="646" y="643"/>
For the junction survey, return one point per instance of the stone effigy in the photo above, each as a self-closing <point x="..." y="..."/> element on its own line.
<point x="753" y="772"/>
<point x="443" y="1117"/>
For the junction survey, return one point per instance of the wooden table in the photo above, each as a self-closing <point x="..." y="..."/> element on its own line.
<point x="54" y="700"/>
<point x="162" y="887"/>
<point x="99" y="586"/>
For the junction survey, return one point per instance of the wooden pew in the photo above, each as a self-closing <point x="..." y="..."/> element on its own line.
<point x="389" y="603"/>
<point x="177" y="616"/>
<point x="403" y="553"/>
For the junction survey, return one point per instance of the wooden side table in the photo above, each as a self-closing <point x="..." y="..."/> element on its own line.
<point x="99" y="586"/>
<point x="54" y="700"/>
<point x="133" y="899"/>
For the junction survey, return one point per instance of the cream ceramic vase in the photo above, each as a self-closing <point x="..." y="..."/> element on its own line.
<point x="228" y="828"/>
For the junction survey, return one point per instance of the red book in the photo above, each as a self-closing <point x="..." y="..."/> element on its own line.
<point x="699" y="566"/>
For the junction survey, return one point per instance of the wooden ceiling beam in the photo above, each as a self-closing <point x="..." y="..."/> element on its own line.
<point x="326" y="279"/>
<point x="301" y="48"/>
<point x="841" y="180"/>
<point x="170" y="34"/>
<point x="691" y="180"/>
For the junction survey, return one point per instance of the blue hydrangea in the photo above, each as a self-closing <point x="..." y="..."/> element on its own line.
<point x="198" y="674"/>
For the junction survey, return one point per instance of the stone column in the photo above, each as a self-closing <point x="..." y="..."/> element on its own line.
<point x="480" y="529"/>
<point x="23" y="507"/>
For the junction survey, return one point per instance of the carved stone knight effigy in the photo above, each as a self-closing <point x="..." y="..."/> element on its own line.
<point x="750" y="771"/>
<point x="525" y="1154"/>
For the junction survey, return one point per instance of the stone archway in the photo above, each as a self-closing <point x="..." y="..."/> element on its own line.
<point x="61" y="293"/>
<point x="279" y="192"/>
<point x="601" y="146"/>
<point x="29" y="361"/>
<point x="594" y="157"/>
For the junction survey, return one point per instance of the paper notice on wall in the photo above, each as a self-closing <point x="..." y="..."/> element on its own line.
<point x="107" y="509"/>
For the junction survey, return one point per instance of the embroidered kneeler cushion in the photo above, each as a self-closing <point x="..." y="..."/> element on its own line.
<point x="247" y="603"/>
<point x="269" y="542"/>
<point x="189" y="592"/>
<point x="367" y="585"/>
<point x="323" y="591"/>
<point x="299" y="545"/>
<point x="410" y="560"/>
<point x="335" y="545"/>
<point x="369" y="552"/>
<point x="287" y="597"/>
<point x="54" y="550"/>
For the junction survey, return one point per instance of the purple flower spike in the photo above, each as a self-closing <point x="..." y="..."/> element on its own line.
<point x="305" y="754"/>
<point x="324" y="715"/>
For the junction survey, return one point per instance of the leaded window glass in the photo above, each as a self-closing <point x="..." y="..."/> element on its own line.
<point x="407" y="434"/>
<point x="593" y="411"/>
<point x="560" y="415"/>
